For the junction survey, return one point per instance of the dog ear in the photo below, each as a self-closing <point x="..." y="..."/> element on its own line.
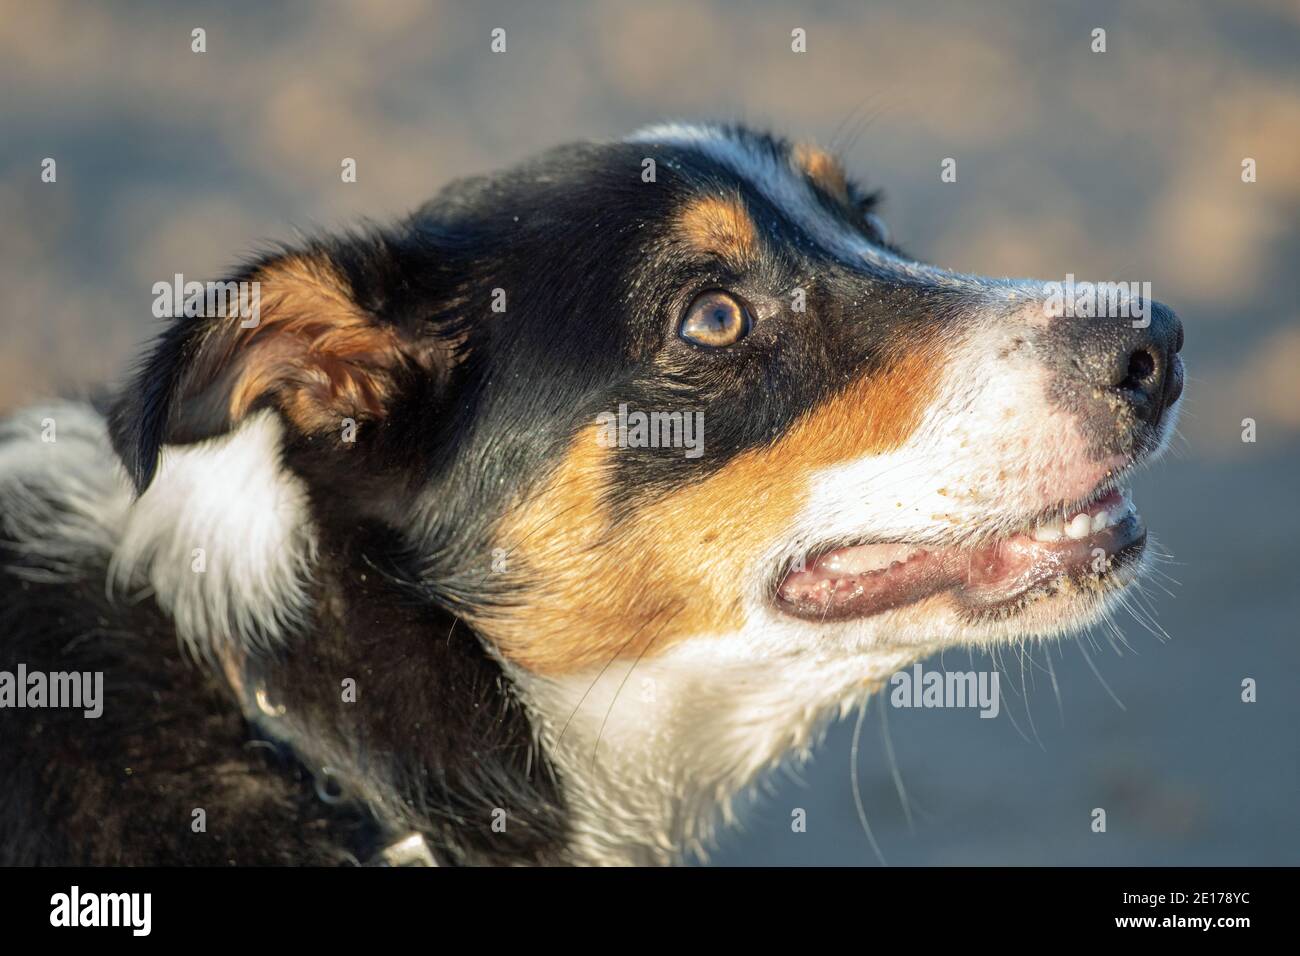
<point x="289" y="334"/>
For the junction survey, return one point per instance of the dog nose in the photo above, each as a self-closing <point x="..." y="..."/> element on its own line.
<point x="1138" y="361"/>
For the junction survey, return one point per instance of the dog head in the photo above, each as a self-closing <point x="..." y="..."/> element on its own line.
<point x="692" y="447"/>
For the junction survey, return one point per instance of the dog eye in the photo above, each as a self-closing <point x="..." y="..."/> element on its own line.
<point x="715" y="319"/>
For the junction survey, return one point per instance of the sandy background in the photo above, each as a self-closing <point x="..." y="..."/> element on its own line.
<point x="1123" y="165"/>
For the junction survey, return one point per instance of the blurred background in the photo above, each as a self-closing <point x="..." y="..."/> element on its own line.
<point x="1123" y="165"/>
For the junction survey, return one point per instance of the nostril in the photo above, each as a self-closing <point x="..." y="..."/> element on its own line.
<point x="1141" y="366"/>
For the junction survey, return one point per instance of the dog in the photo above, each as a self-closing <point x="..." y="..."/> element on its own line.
<point x="534" y="528"/>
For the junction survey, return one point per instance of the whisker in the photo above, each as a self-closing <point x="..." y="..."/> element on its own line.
<point x="623" y="683"/>
<point x="1029" y="713"/>
<point x="857" y="786"/>
<point x="1093" y="667"/>
<point x="1056" y="688"/>
<point x="613" y="657"/>
<point x="893" y="763"/>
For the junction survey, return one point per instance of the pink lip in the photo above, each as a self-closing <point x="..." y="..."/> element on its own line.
<point x="863" y="580"/>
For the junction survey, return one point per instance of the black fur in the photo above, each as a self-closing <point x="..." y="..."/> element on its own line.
<point x="436" y="729"/>
<point x="121" y="789"/>
<point x="596" y="279"/>
<point x="436" y="742"/>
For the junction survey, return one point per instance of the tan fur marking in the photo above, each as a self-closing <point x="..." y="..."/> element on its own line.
<point x="314" y="349"/>
<point x="823" y="169"/>
<point x="680" y="567"/>
<point x="720" y="226"/>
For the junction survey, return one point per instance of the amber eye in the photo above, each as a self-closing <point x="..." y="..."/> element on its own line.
<point x="715" y="319"/>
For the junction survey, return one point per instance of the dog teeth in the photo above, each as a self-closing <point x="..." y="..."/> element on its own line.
<point x="1080" y="527"/>
<point x="1083" y="524"/>
<point x="1050" y="531"/>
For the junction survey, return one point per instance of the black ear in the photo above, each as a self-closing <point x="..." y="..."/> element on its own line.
<point x="287" y="333"/>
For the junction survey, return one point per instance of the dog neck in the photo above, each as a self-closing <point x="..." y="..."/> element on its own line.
<point x="653" y="754"/>
<point x="636" y="762"/>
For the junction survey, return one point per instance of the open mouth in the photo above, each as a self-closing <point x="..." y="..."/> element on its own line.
<point x="862" y="580"/>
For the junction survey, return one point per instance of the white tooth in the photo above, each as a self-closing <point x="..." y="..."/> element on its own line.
<point x="1102" y="519"/>
<point x="1049" y="533"/>
<point x="1079" y="528"/>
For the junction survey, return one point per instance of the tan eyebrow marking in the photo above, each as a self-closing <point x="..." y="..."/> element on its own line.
<point x="823" y="169"/>
<point x="719" y="225"/>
